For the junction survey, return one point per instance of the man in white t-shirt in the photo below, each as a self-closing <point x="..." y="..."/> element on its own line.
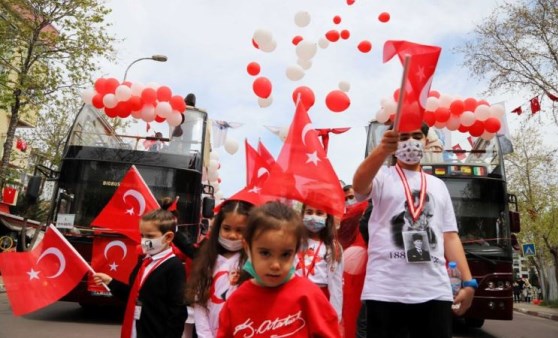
<point x="407" y="202"/>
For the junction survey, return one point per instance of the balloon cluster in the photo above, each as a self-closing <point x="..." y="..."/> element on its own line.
<point x="476" y="117"/>
<point x="147" y="102"/>
<point x="211" y="174"/>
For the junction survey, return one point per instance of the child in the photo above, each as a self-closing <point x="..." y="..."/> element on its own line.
<point x="155" y="293"/>
<point x="217" y="266"/>
<point x="276" y="303"/>
<point x="321" y="257"/>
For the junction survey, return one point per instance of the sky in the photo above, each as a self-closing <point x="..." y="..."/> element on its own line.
<point x="209" y="44"/>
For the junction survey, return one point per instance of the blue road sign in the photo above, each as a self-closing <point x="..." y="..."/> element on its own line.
<point x="529" y="249"/>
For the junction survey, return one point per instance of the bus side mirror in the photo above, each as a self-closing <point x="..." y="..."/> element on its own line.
<point x="515" y="226"/>
<point x="33" y="189"/>
<point x="208" y="205"/>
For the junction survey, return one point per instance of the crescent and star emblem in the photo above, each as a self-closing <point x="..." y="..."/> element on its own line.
<point x="119" y="244"/>
<point x="312" y="157"/>
<point x="138" y="197"/>
<point x="50" y="251"/>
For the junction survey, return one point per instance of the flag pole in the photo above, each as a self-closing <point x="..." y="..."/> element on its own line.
<point x="59" y="234"/>
<point x="401" y="93"/>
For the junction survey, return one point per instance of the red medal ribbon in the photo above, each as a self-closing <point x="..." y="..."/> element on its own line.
<point x="415" y="210"/>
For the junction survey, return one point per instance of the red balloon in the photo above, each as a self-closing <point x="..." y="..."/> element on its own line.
<point x="127" y="84"/>
<point x="135" y="103"/>
<point x="306" y="96"/>
<point x="442" y="114"/>
<point x="384" y="17"/>
<point x="110" y="85"/>
<point x="159" y="118"/>
<point x="123" y="109"/>
<point x="476" y="129"/>
<point x="253" y="68"/>
<point x="100" y="86"/>
<point x="111" y="112"/>
<point x="297" y="39"/>
<point x="255" y="44"/>
<point x="483" y="102"/>
<point x="177" y="103"/>
<point x="350" y="2"/>
<point x="345" y="34"/>
<point x="365" y="46"/>
<point x="332" y="35"/>
<point x="463" y="128"/>
<point x="97" y="101"/>
<point x="337" y="101"/>
<point x="457" y="107"/>
<point x="434" y="93"/>
<point x="492" y="125"/>
<point x="396" y="95"/>
<point x="469" y="104"/>
<point x="337" y="19"/>
<point x="149" y="96"/>
<point x="262" y="87"/>
<point x="164" y="93"/>
<point x="429" y="118"/>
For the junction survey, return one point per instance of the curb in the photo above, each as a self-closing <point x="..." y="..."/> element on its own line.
<point x="538" y="314"/>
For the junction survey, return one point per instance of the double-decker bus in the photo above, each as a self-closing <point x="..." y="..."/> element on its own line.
<point x="96" y="158"/>
<point x="473" y="171"/>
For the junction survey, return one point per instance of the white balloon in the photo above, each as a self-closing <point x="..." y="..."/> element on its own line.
<point x="137" y="88"/>
<point x="218" y="195"/>
<point x="213" y="175"/>
<point x="148" y="113"/>
<point x="123" y="93"/>
<point x="497" y="111"/>
<point x="213" y="165"/>
<point x="294" y="72"/>
<point x="305" y="64"/>
<point x="306" y="49"/>
<point x="136" y="114"/>
<point x="467" y="118"/>
<point x="487" y="136"/>
<point x="268" y="47"/>
<point x="264" y="103"/>
<point x="440" y="125"/>
<point x="110" y="101"/>
<point x="231" y="146"/>
<point x="382" y="116"/>
<point x="344" y="86"/>
<point x="302" y="19"/>
<point x="87" y="95"/>
<point x="482" y="112"/>
<point x="163" y="109"/>
<point x="283" y="133"/>
<point x="323" y="43"/>
<point x="214" y="156"/>
<point x="174" y="118"/>
<point x="432" y="103"/>
<point x="453" y="123"/>
<point x="262" y="36"/>
<point x="390" y="107"/>
<point x="445" y="101"/>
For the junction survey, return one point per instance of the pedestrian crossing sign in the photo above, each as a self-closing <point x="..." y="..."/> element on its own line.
<point x="529" y="249"/>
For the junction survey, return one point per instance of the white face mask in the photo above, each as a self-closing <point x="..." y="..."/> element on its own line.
<point x="153" y="246"/>
<point x="230" y="244"/>
<point x="314" y="223"/>
<point x="409" y="151"/>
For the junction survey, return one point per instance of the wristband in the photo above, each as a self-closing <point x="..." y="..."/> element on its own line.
<point x="471" y="283"/>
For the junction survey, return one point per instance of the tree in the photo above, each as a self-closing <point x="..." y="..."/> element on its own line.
<point x="516" y="48"/>
<point x="55" y="45"/>
<point x="532" y="177"/>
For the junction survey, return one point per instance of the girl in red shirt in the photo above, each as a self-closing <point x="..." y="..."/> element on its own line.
<point x="275" y="303"/>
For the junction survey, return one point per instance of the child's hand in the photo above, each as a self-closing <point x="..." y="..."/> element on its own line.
<point x="101" y="278"/>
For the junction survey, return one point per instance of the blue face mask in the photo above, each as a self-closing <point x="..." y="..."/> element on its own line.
<point x="249" y="267"/>
<point x="314" y="223"/>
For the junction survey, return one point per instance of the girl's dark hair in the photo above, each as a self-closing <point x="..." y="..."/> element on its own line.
<point x="274" y="216"/>
<point x="164" y="219"/>
<point x="199" y="283"/>
<point x="328" y="235"/>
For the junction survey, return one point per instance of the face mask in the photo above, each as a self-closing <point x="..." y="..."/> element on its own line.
<point x="153" y="246"/>
<point x="350" y="202"/>
<point x="249" y="267"/>
<point x="230" y="245"/>
<point x="314" y="223"/>
<point x="409" y="151"/>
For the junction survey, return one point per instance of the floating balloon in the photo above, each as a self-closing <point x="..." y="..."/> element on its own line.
<point x="445" y="101"/>
<point x="323" y="43"/>
<point x="262" y="87"/>
<point x="231" y="146"/>
<point x="305" y="64"/>
<point x="429" y="118"/>
<point x="457" y="107"/>
<point x="164" y="93"/>
<point x="110" y="101"/>
<point x="163" y="109"/>
<point x="149" y="95"/>
<point x="297" y="39"/>
<point x="467" y="118"/>
<point x="253" y="68"/>
<point x="365" y="46"/>
<point x="111" y="112"/>
<point x="110" y="85"/>
<point x="148" y="113"/>
<point x="302" y="19"/>
<point x="453" y="123"/>
<point x="482" y="112"/>
<point x="332" y="35"/>
<point x="123" y="93"/>
<point x="97" y="101"/>
<point x="177" y="103"/>
<point x="264" y="103"/>
<point x="434" y="93"/>
<point x="470" y="104"/>
<point x="100" y="85"/>
<point x="345" y="34"/>
<point x="262" y="36"/>
<point x="492" y="125"/>
<point x="442" y="114"/>
<point x="384" y="17"/>
<point x="283" y="133"/>
<point x="294" y="72"/>
<point x="137" y="88"/>
<point x="306" y="95"/>
<point x="268" y="47"/>
<point x="344" y="86"/>
<point x="497" y="111"/>
<point x="174" y="118"/>
<point x="476" y="129"/>
<point x="432" y="103"/>
<point x="382" y="116"/>
<point x="214" y="156"/>
<point x="306" y="50"/>
<point x="87" y="95"/>
<point x="337" y="101"/>
<point x="337" y="19"/>
<point x="487" y="136"/>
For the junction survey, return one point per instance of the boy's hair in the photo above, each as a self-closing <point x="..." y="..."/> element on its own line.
<point x="347" y="187"/>
<point x="328" y="236"/>
<point x="274" y="216"/>
<point x="201" y="278"/>
<point x="164" y="219"/>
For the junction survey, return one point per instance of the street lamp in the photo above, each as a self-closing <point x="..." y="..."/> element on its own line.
<point x="156" y="57"/>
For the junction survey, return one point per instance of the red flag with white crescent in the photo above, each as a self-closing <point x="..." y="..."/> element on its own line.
<point x="40" y="277"/>
<point x="129" y="203"/>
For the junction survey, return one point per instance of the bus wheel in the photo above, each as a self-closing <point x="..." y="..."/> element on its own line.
<point x="474" y="322"/>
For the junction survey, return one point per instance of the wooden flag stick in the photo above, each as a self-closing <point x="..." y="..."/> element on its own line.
<point x="401" y="93"/>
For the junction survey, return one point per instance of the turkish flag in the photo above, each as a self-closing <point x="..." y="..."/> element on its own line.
<point x="37" y="278"/>
<point x="517" y="110"/>
<point x="349" y="228"/>
<point x="355" y="258"/>
<point x="458" y="151"/>
<point x="130" y="201"/>
<point x="535" y="105"/>
<point x="251" y="158"/>
<point x="420" y="73"/>
<point x="324" y="134"/>
<point x="115" y="256"/>
<point x="552" y="97"/>
<point x="303" y="171"/>
<point x="265" y="155"/>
